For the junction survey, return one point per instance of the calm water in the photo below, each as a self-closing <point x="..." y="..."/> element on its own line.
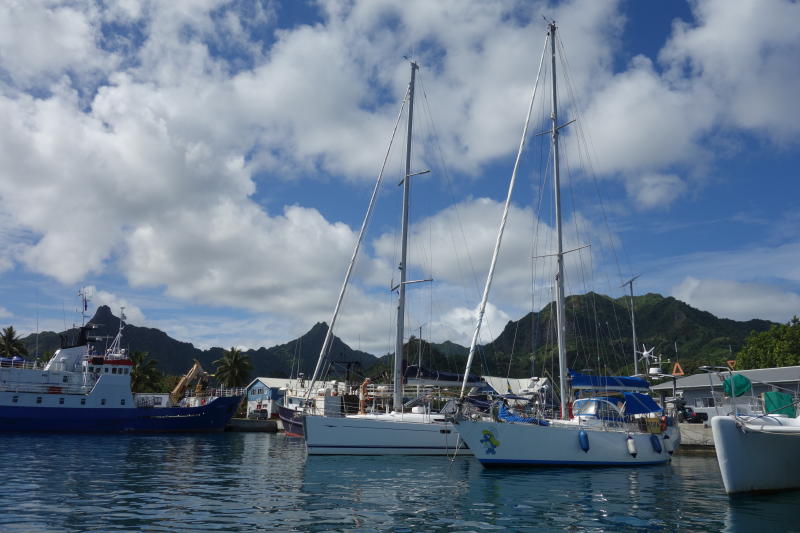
<point x="248" y="482"/>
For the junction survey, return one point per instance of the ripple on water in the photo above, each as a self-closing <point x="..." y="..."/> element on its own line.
<point x="251" y="482"/>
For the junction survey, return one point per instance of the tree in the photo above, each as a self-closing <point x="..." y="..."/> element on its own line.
<point x="145" y="376"/>
<point x="11" y="344"/>
<point x="780" y="346"/>
<point x="233" y="368"/>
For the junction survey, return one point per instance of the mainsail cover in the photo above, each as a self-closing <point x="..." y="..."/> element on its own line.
<point x="615" y="383"/>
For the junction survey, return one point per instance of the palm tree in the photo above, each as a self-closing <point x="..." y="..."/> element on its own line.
<point x="145" y="376"/>
<point x="233" y="368"/>
<point x="11" y="344"/>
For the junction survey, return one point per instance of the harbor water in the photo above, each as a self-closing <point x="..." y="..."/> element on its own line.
<point x="265" y="482"/>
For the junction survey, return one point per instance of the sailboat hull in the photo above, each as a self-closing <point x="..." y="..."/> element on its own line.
<point x="512" y="444"/>
<point x="406" y="434"/>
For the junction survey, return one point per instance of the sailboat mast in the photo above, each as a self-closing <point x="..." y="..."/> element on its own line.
<point x="633" y="327"/>
<point x="560" y="318"/>
<point x="401" y="298"/>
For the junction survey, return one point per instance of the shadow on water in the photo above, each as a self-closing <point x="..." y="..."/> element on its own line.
<point x="252" y="482"/>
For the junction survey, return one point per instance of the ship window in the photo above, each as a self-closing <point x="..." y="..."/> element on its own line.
<point x="126" y="371"/>
<point x="15" y="399"/>
<point x="103" y="401"/>
<point x="61" y="401"/>
<point x="38" y="399"/>
<point x="83" y="401"/>
<point x="157" y="401"/>
<point x="64" y="379"/>
<point x="122" y="401"/>
<point x="114" y="370"/>
<point x="91" y="369"/>
<point x="106" y="369"/>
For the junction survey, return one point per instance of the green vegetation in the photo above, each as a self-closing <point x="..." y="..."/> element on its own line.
<point x="11" y="344"/>
<point x="145" y="376"/>
<point x="233" y="369"/>
<point x="780" y="346"/>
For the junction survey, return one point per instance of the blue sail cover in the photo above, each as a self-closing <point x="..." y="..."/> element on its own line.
<point x="637" y="403"/>
<point x="584" y="381"/>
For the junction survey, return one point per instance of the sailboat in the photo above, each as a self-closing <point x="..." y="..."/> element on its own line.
<point x="419" y="432"/>
<point x="612" y="421"/>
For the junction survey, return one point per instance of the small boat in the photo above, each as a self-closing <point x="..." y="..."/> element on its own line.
<point x="82" y="391"/>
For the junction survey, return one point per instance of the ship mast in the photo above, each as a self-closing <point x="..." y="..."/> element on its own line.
<point x="560" y="318"/>
<point x="401" y="287"/>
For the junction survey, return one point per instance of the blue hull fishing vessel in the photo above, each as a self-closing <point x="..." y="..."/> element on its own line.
<point x="82" y="391"/>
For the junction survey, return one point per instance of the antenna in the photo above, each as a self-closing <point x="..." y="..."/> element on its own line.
<point x="85" y="299"/>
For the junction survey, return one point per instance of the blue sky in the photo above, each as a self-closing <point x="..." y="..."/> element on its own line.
<point x="207" y="164"/>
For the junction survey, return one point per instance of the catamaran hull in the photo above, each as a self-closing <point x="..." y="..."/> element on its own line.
<point x="213" y="416"/>
<point x="753" y="460"/>
<point x="510" y="444"/>
<point x="369" y="436"/>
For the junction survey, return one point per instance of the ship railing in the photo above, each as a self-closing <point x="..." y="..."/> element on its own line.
<point x="221" y="392"/>
<point x="44" y="388"/>
<point x="27" y="365"/>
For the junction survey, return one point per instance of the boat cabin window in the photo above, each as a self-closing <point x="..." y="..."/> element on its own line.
<point x="114" y="370"/>
<point x="106" y="369"/>
<point x="15" y="399"/>
<point x="61" y="401"/>
<point x="126" y="370"/>
<point x="83" y="401"/>
<point x="606" y="410"/>
<point x="122" y="401"/>
<point x="38" y="399"/>
<point x="103" y="401"/>
<point x="64" y="379"/>
<point x="584" y="407"/>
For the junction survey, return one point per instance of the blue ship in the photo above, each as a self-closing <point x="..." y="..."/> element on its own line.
<point x="82" y="391"/>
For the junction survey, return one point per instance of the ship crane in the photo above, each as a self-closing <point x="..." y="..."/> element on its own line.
<point x="196" y="372"/>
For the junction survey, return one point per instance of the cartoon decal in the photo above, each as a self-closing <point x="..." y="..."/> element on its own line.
<point x="489" y="442"/>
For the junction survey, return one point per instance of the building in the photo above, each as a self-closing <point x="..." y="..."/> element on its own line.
<point x="704" y="393"/>
<point x="265" y="394"/>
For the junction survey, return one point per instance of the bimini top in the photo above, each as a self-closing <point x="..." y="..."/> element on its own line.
<point x="605" y="383"/>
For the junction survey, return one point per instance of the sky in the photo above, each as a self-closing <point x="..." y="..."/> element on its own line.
<point x="207" y="164"/>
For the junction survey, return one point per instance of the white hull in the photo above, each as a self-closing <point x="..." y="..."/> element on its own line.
<point x="510" y="444"/>
<point x="763" y="454"/>
<point x="391" y="434"/>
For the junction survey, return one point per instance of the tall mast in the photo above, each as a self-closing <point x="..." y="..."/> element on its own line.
<point x="633" y="327"/>
<point x="560" y="318"/>
<point x="401" y="289"/>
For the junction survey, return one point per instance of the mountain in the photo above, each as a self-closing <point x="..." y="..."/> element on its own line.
<point x="598" y="333"/>
<point x="599" y="336"/>
<point x="175" y="357"/>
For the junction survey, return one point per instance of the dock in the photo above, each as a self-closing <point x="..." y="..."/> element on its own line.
<point x="252" y="425"/>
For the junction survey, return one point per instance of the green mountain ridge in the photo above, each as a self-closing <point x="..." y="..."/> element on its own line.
<point x="598" y="333"/>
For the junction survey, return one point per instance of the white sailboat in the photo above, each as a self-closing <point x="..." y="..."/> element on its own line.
<point x="599" y="433"/>
<point x="419" y="432"/>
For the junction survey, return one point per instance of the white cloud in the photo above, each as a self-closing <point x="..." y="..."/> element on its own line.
<point x="5" y="313"/>
<point x="143" y="149"/>
<point x="738" y="300"/>
<point x="655" y="190"/>
<point x="117" y="304"/>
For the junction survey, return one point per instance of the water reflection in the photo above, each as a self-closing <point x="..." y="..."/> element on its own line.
<point x="236" y="482"/>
